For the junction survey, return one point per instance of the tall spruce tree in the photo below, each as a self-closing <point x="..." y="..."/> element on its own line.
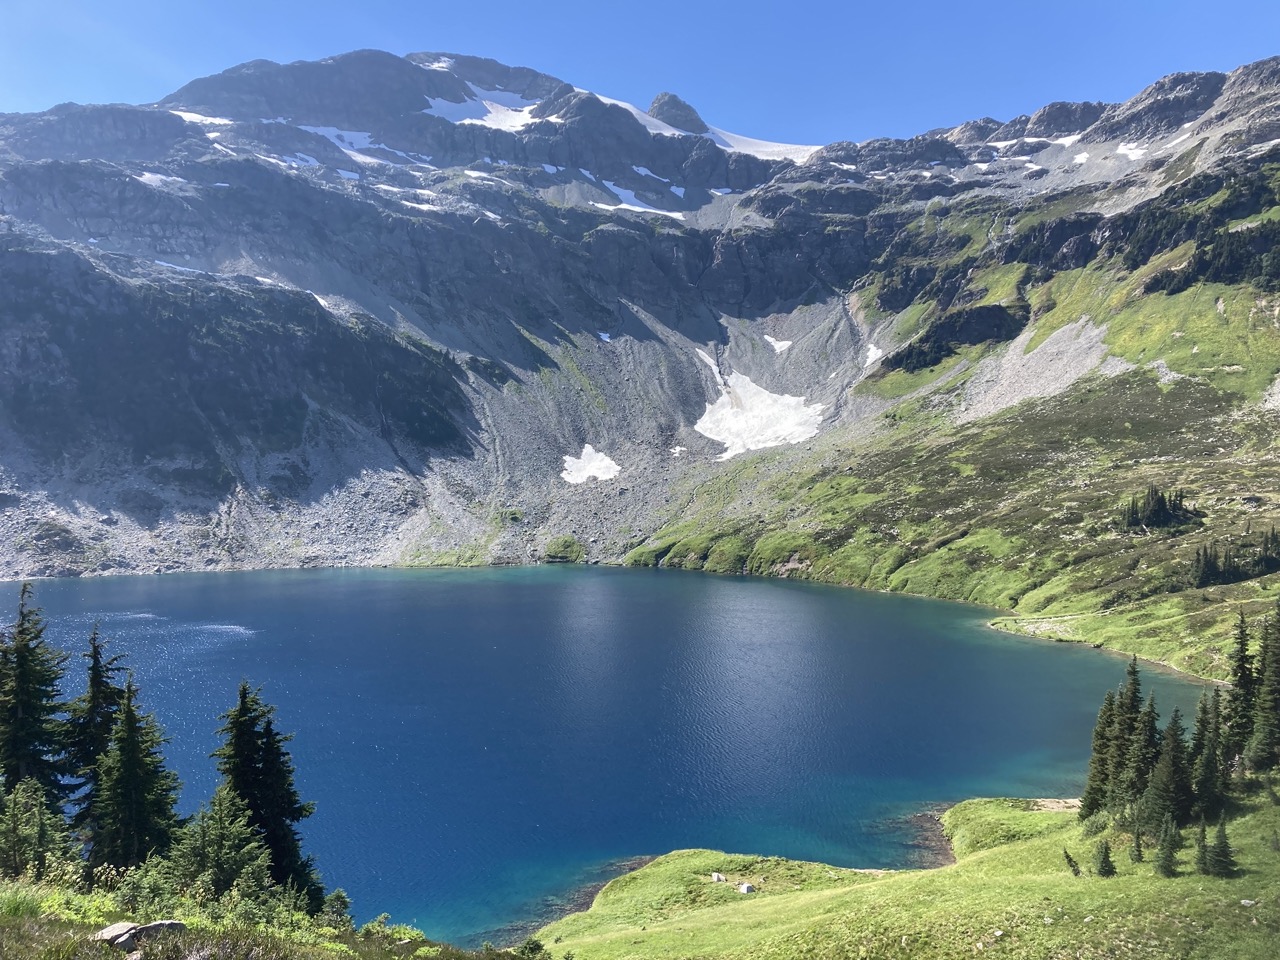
<point x="1141" y="758"/>
<point x="1206" y="758"/>
<point x="1202" y="850"/>
<point x="217" y="852"/>
<point x="31" y="735"/>
<point x="91" y="718"/>
<point x="33" y="836"/>
<point x="1238" y="719"/>
<point x="134" y="808"/>
<point x="1262" y="752"/>
<point x="1128" y="709"/>
<point x="1222" y="859"/>
<point x="1168" y="793"/>
<point x="1098" y="784"/>
<point x="260" y="771"/>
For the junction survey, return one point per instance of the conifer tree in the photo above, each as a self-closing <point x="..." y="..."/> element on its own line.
<point x="1071" y="862"/>
<point x="1202" y="850"/>
<point x="92" y="717"/>
<point x="1103" y="865"/>
<point x="1166" y="854"/>
<point x="31" y="736"/>
<point x="134" y="809"/>
<point x="1125" y="715"/>
<point x="1262" y="752"/>
<point x="258" y="768"/>
<point x="1222" y="859"/>
<point x="1136" y="853"/>
<point x="1142" y="756"/>
<point x="1238" y="719"/>
<point x="219" y="851"/>
<point x="1098" y="784"/>
<point x="1206" y="758"/>
<point x="33" y="836"/>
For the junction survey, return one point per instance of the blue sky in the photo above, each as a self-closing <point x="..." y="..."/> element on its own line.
<point x="799" y="71"/>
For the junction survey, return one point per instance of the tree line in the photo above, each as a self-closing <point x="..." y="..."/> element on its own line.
<point x="1153" y="781"/>
<point x="86" y="797"/>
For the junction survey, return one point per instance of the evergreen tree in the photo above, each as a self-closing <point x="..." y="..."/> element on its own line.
<point x="1136" y="853"/>
<point x="1262" y="752"/>
<point x="1222" y="859"/>
<point x="1142" y="757"/>
<point x="218" y="852"/>
<point x="134" y="809"/>
<point x="92" y="717"/>
<point x="1238" y="720"/>
<point x="1166" y="864"/>
<point x="1206" y="758"/>
<point x="1128" y="708"/>
<point x="1103" y="865"/>
<point x="31" y="736"/>
<point x="33" y="836"/>
<point x="260" y="771"/>
<point x="1202" y="850"/>
<point x="1071" y="862"/>
<point x="1098" y="785"/>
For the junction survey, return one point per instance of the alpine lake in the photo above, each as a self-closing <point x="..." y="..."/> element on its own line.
<point x="483" y="744"/>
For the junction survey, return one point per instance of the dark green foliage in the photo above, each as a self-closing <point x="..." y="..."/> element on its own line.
<point x="1094" y="798"/>
<point x="960" y="327"/>
<point x="1165" y="863"/>
<point x="1136" y="853"/>
<point x="1262" y="752"/>
<point x="1168" y="793"/>
<point x="1238" y="719"/>
<point x="91" y="718"/>
<point x="260" y="771"/>
<point x="1221" y="858"/>
<point x="134" y="808"/>
<point x="1140" y="758"/>
<point x="217" y="853"/>
<point x="1071" y="862"/>
<point x="335" y="912"/>
<point x="1205" y="757"/>
<point x="1217" y="565"/>
<point x="1229" y="256"/>
<point x="1202" y="850"/>
<point x="33" y="837"/>
<point x="1156" y="509"/>
<point x="1103" y="865"/>
<point x="31" y="735"/>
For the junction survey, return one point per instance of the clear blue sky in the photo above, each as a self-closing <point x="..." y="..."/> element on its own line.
<point x="799" y="71"/>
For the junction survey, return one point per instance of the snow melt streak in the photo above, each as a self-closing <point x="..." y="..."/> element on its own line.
<point x="748" y="417"/>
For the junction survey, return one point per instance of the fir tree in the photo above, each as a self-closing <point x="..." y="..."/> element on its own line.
<point x="1170" y="843"/>
<point x="1098" y="785"/>
<point x="92" y="717"/>
<point x="134" y="809"/>
<point x="31" y="736"/>
<point x="258" y="768"/>
<point x="219" y="851"/>
<point x="1222" y="859"/>
<point x="1071" y="862"/>
<point x="1206" y="758"/>
<point x="1142" y="756"/>
<point x="1136" y="853"/>
<point x="33" y="837"/>
<point x="1202" y="850"/>
<point x="1262" y="752"/>
<point x="1103" y="865"/>
<point x="1125" y="715"/>
<point x="1238" y="719"/>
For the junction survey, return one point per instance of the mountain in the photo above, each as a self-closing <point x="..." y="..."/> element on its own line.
<point x="435" y="309"/>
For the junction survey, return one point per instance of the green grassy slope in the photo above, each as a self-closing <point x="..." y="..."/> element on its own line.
<point x="1010" y="877"/>
<point x="1020" y="510"/>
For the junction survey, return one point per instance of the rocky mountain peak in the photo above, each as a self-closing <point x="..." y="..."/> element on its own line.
<point x="671" y="110"/>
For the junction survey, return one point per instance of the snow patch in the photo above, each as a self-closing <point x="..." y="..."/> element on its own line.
<point x="1001" y="144"/>
<point x="1131" y="150"/>
<point x="748" y="417"/>
<point x="603" y="336"/>
<point x="1033" y="166"/>
<point x="348" y="175"/>
<point x="707" y="360"/>
<point x="629" y="201"/>
<point x="199" y="118"/>
<point x="156" y="179"/>
<point x="720" y="191"/>
<point x="592" y="463"/>
<point x="778" y="345"/>
<point x="549" y="168"/>
<point x="1173" y="143"/>
<point x="677" y="450"/>
<point x="1070" y="141"/>
<point x="646" y="172"/>
<point x="496" y="109"/>
<point x="874" y="353"/>
<point x="678" y="191"/>
<point x="1081" y="157"/>
<point x="764" y="149"/>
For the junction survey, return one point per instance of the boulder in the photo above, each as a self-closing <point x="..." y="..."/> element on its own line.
<point x="746" y="888"/>
<point x="717" y="877"/>
<point x="120" y="935"/>
<point x="159" y="926"/>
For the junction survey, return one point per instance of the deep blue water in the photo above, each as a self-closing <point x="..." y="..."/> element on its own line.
<point x="478" y="740"/>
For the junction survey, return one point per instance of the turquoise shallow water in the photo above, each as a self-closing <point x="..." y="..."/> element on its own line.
<point x="477" y="741"/>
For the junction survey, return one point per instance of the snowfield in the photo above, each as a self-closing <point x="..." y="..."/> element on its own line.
<point x="748" y="417"/>
<point x="592" y="463"/>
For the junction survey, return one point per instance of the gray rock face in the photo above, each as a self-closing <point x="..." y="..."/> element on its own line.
<point x="360" y="310"/>
<point x="669" y="108"/>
